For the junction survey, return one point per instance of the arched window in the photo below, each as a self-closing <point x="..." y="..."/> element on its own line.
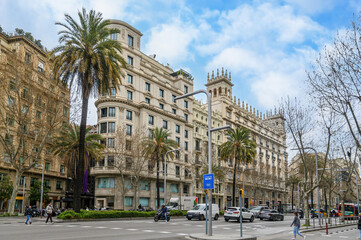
<point x="215" y="92"/>
<point x="219" y="91"/>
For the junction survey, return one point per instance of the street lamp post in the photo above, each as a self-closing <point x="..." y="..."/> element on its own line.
<point x="41" y="191"/>
<point x="210" y="130"/>
<point x="22" y="206"/>
<point x="165" y="173"/>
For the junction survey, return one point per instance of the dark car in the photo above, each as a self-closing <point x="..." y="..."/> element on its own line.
<point x="271" y="214"/>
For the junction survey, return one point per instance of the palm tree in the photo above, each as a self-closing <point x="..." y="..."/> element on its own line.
<point x="240" y="147"/>
<point x="155" y="147"/>
<point x="66" y="145"/>
<point x="89" y="61"/>
<point x="292" y="181"/>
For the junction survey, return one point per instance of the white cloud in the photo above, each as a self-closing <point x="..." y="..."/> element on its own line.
<point x="312" y="6"/>
<point x="171" y="41"/>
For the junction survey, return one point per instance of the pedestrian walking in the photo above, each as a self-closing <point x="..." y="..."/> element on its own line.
<point x="297" y="224"/>
<point x="28" y="213"/>
<point x="49" y="211"/>
<point x="359" y="227"/>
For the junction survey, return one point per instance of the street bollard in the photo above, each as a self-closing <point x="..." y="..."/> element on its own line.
<point x="326" y="228"/>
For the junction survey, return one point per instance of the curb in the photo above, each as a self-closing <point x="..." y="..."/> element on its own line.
<point x="107" y="219"/>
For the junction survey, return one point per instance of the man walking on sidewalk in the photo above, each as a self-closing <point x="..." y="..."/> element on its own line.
<point x="49" y="211"/>
<point x="28" y="214"/>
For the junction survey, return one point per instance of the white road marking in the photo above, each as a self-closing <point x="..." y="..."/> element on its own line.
<point x="164" y="232"/>
<point x="71" y="226"/>
<point x="343" y="237"/>
<point x="116" y="228"/>
<point x="131" y="229"/>
<point x="85" y="226"/>
<point x="148" y="230"/>
<point x="182" y="234"/>
<point x="100" y="227"/>
<point x="226" y="228"/>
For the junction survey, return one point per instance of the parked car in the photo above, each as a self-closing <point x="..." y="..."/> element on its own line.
<point x="232" y="213"/>
<point x="314" y="213"/>
<point x="199" y="212"/>
<point x="271" y="215"/>
<point x="256" y="210"/>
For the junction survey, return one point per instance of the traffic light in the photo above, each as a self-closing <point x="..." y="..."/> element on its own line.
<point x="207" y="192"/>
<point x="241" y="192"/>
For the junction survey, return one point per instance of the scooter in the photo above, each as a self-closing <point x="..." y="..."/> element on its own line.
<point x="160" y="216"/>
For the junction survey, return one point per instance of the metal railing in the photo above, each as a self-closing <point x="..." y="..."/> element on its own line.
<point x="326" y="222"/>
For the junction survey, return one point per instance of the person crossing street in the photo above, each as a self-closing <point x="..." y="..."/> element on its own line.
<point x="28" y="214"/>
<point x="49" y="211"/>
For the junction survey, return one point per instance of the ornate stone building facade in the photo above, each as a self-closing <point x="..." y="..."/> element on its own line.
<point x="144" y="101"/>
<point x="25" y="71"/>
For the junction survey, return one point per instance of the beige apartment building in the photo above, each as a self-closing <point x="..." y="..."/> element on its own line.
<point x="144" y="101"/>
<point x="26" y="71"/>
<point x="266" y="183"/>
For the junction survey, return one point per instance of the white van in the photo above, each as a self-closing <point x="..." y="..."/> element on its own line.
<point x="198" y="212"/>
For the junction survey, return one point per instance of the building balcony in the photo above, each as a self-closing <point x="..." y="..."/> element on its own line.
<point x="103" y="170"/>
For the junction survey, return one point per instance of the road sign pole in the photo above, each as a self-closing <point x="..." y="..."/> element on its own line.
<point x="206" y="213"/>
<point x="240" y="211"/>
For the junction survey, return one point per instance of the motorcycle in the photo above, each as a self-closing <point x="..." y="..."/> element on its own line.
<point x="160" y="216"/>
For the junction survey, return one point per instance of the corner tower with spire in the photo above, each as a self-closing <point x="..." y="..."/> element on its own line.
<point x="219" y="85"/>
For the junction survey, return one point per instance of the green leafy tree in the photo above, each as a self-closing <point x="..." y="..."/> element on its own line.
<point x="292" y="181"/>
<point x="35" y="193"/>
<point x="241" y="148"/>
<point x="155" y="148"/>
<point x="89" y="61"/>
<point x="6" y="188"/>
<point x="66" y="145"/>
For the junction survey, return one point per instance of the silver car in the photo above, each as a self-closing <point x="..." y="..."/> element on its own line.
<point x="257" y="210"/>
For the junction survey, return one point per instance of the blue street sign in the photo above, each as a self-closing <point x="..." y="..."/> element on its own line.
<point x="208" y="181"/>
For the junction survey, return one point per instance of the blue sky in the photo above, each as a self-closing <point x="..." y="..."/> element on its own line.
<point x="267" y="45"/>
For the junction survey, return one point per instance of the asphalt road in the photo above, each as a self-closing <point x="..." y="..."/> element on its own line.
<point x="177" y="228"/>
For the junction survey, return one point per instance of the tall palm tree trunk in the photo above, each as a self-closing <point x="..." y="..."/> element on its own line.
<point x="158" y="193"/>
<point x="234" y="182"/>
<point x="79" y="183"/>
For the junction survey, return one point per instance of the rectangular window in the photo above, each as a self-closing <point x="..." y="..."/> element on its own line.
<point x="102" y="162"/>
<point x="177" y="171"/>
<point x="173" y="98"/>
<point x="104" y="112"/>
<point x="32" y="181"/>
<point x="147" y="100"/>
<point x="130" y="60"/>
<point x="128" y="145"/>
<point x="186" y="133"/>
<point x="198" y="145"/>
<point x="174" y="111"/>
<point x="47" y="166"/>
<point x="147" y="87"/>
<point x="129" y="115"/>
<point x="161" y="105"/>
<point x="129" y="130"/>
<point x="161" y="92"/>
<point x="27" y="57"/>
<point x="110" y="142"/>
<point x="62" y="169"/>
<point x="128" y="184"/>
<point x="185" y="104"/>
<point x="113" y="36"/>
<point x="130" y="78"/>
<point x="111" y="127"/>
<point x="111" y="161"/>
<point x="144" y="202"/>
<point x="174" y="188"/>
<point x="113" y="91"/>
<point x="128" y="201"/>
<point x="40" y="67"/>
<point x="186" y="117"/>
<point x="130" y="41"/>
<point x="144" y="185"/>
<point x="185" y="189"/>
<point x="165" y="124"/>
<point x="151" y="120"/>
<point x="177" y="140"/>
<point x="186" y="146"/>
<point x="185" y="157"/>
<point x="185" y="89"/>
<point x="106" y="183"/>
<point x="103" y="128"/>
<point x="130" y="95"/>
<point x="177" y="128"/>
<point x="47" y="184"/>
<point x="59" y="185"/>
<point x="112" y="112"/>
